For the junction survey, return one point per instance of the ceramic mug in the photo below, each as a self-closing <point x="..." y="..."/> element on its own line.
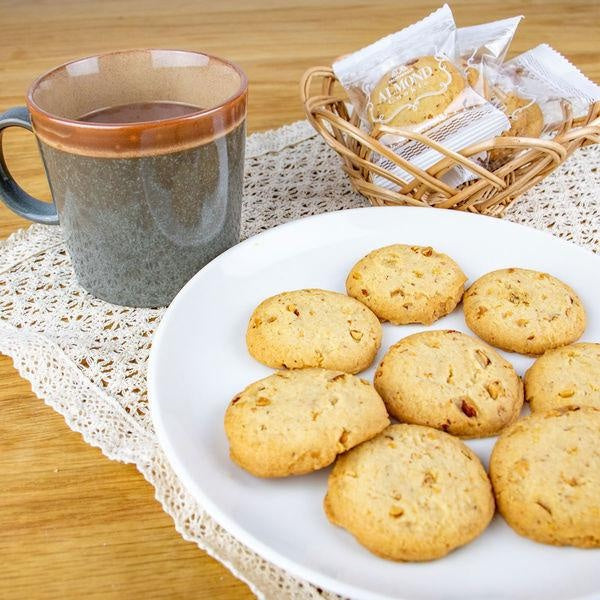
<point x="144" y="154"/>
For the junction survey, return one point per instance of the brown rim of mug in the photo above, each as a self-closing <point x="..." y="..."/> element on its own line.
<point x="125" y="140"/>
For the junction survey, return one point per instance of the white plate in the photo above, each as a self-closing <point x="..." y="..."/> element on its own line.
<point x="199" y="361"/>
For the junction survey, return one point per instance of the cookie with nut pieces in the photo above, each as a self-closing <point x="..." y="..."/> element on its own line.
<point x="407" y="284"/>
<point x="545" y="470"/>
<point x="567" y="375"/>
<point x="451" y="381"/>
<point x="313" y="328"/>
<point x="473" y="73"/>
<point x="295" y="422"/>
<point x="524" y="311"/>
<point x="411" y="493"/>
<point x="526" y="120"/>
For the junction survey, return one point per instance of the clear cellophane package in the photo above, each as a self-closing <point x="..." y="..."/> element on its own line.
<point x="412" y="82"/>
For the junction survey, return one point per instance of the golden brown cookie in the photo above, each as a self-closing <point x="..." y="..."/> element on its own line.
<point x="414" y="92"/>
<point x="475" y="78"/>
<point x="412" y="493"/>
<point x="524" y="311"/>
<point x="294" y="422"/>
<point x="567" y="375"/>
<point x="546" y="475"/>
<point x="526" y="120"/>
<point x="472" y="74"/>
<point x="407" y="284"/>
<point x="451" y="381"/>
<point x="313" y="328"/>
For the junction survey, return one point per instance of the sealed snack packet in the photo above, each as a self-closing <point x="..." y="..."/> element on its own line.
<point x="534" y="89"/>
<point x="482" y="48"/>
<point x="412" y="80"/>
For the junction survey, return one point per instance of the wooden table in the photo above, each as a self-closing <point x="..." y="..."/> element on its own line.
<point x="72" y="523"/>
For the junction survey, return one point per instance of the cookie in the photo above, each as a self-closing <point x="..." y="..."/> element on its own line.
<point x="450" y="381"/>
<point x="313" y="328"/>
<point x="411" y="493"/>
<point x="567" y="375"/>
<point x="407" y="284"/>
<point x="474" y="77"/>
<point x="523" y="311"/>
<point x="525" y="117"/>
<point x="545" y="470"/>
<point x="472" y="74"/>
<point x="294" y="422"/>
<point x="415" y="92"/>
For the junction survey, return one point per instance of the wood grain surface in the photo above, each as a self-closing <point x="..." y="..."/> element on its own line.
<point x="72" y="523"/>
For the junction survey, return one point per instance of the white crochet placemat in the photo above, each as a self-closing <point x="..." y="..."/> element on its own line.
<point x="87" y="359"/>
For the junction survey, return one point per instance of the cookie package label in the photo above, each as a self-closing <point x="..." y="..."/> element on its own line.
<point x="406" y="86"/>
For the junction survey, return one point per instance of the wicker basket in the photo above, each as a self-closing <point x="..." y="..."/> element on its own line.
<point x="490" y="192"/>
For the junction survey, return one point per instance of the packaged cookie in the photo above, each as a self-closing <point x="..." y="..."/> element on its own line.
<point x="411" y="82"/>
<point x="482" y="48"/>
<point x="536" y="90"/>
<point x="546" y="76"/>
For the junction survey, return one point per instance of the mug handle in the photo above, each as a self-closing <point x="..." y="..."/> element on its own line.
<point x="15" y="197"/>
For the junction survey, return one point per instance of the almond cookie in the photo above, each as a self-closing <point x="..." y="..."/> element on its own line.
<point x="415" y="92"/>
<point x="545" y="470"/>
<point x="450" y="381"/>
<point x="524" y="311"/>
<point x="526" y="120"/>
<point x="567" y="375"/>
<point x="412" y="493"/>
<point x="313" y="328"/>
<point x="475" y="79"/>
<point x="407" y="284"/>
<point x="294" y="422"/>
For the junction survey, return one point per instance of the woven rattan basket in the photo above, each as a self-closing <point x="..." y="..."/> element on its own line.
<point x="326" y="106"/>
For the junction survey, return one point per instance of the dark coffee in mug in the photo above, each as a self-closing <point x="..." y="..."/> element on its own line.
<point x="147" y="185"/>
<point x="138" y="112"/>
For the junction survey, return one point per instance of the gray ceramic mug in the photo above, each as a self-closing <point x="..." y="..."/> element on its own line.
<point x="144" y="154"/>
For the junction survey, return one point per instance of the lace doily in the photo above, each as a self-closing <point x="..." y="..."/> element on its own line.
<point x="87" y="359"/>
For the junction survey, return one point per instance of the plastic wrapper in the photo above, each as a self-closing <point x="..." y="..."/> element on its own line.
<point x="412" y="82"/>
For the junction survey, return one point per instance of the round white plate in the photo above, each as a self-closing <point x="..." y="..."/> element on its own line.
<point x="199" y="362"/>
